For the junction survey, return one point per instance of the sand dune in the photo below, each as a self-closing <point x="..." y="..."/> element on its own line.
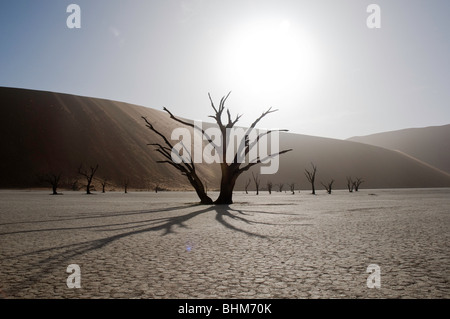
<point x="336" y="159"/>
<point x="428" y="144"/>
<point x="45" y="131"/>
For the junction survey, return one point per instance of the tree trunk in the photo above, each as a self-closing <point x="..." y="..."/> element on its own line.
<point x="200" y="190"/>
<point x="88" y="188"/>
<point x="229" y="177"/>
<point x="54" y="187"/>
<point x="204" y="199"/>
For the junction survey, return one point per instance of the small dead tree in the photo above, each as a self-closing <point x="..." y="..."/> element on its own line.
<point x="126" y="181"/>
<point x="269" y="187"/>
<point x="52" y="179"/>
<point x="350" y="184"/>
<point x="247" y="184"/>
<point x="328" y="186"/>
<point x="257" y="182"/>
<point x="292" y="187"/>
<point x="280" y="187"/>
<point x="74" y="184"/>
<point x="356" y="183"/>
<point x="89" y="175"/>
<point x="311" y="176"/>
<point x="157" y="188"/>
<point x="103" y="182"/>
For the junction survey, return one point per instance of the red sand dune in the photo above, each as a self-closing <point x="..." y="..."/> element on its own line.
<point x="52" y="132"/>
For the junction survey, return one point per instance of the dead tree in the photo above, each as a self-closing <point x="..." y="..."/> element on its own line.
<point x="52" y="179"/>
<point x="269" y="187"/>
<point x="103" y="182"/>
<point x="74" y="184"/>
<point x="126" y="181"/>
<point x="328" y="186"/>
<point x="257" y="182"/>
<point x="311" y="176"/>
<point x="292" y="187"/>
<point x="186" y="168"/>
<point x="356" y="183"/>
<point x="230" y="170"/>
<point x="89" y="175"/>
<point x="247" y="184"/>
<point x="350" y="184"/>
<point x="280" y="187"/>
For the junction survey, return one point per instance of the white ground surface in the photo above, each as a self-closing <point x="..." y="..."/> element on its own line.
<point x="147" y="245"/>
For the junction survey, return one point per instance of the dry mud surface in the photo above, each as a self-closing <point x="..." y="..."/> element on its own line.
<point x="147" y="245"/>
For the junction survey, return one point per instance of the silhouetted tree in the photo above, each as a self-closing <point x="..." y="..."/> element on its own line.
<point x="103" y="182"/>
<point x="74" y="184"/>
<point x="126" y="181"/>
<point x="280" y="187"/>
<point x="269" y="187"/>
<point x="356" y="183"/>
<point x="52" y="179"/>
<point x="257" y="181"/>
<point x="247" y="184"/>
<point x="350" y="184"/>
<point x="292" y="187"/>
<point x="186" y="168"/>
<point x="328" y="186"/>
<point x="230" y="170"/>
<point x="311" y="176"/>
<point x="89" y="175"/>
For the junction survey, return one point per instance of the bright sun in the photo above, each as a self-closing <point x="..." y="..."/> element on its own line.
<point x="270" y="57"/>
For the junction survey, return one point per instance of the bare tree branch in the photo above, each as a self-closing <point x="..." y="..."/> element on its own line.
<point x="356" y="183"/>
<point x="186" y="168"/>
<point x="249" y="147"/>
<point x="328" y="186"/>
<point x="208" y="138"/>
<point x="259" y="161"/>
<point x="311" y="176"/>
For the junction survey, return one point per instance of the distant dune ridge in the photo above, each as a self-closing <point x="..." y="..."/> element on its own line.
<point x="429" y="144"/>
<point x="53" y="132"/>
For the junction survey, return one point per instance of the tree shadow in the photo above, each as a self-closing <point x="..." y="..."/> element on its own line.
<point x="90" y="215"/>
<point x="61" y="255"/>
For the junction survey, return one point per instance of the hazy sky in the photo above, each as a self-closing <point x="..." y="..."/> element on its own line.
<point x="316" y="61"/>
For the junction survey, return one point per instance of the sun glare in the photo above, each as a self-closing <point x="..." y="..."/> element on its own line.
<point x="270" y="57"/>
